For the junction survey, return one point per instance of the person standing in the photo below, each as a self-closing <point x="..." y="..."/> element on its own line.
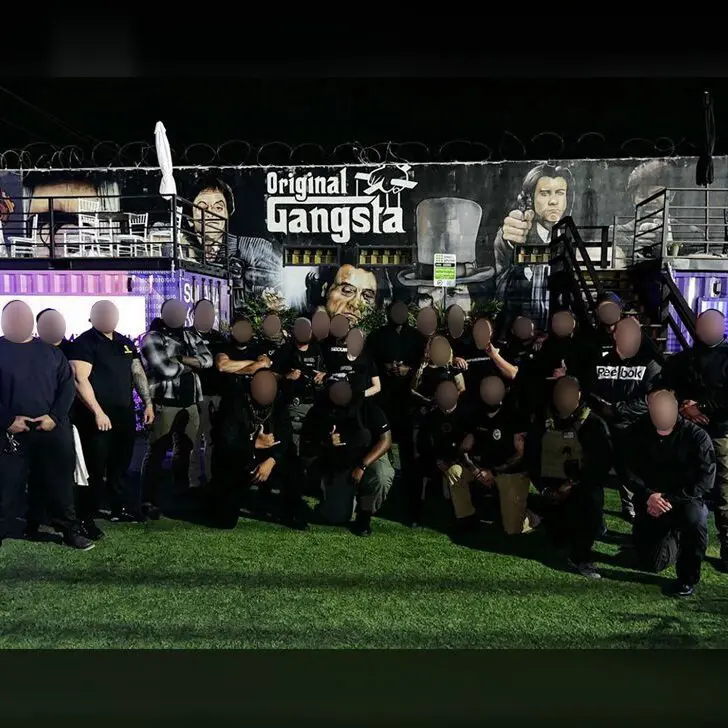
<point x="699" y="378"/>
<point x="107" y="368"/>
<point x="568" y="456"/>
<point x="36" y="394"/>
<point x="671" y="468"/>
<point x="174" y="358"/>
<point x="357" y="367"/>
<point x="621" y="379"/>
<point x="201" y="456"/>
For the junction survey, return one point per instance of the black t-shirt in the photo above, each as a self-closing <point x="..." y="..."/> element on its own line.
<point x="463" y="346"/>
<point x="358" y="372"/>
<point x="237" y="384"/>
<point x="309" y="361"/>
<point x="359" y="426"/>
<point x="110" y="360"/>
<point x="441" y="434"/>
<point x="268" y="346"/>
<point x="494" y="434"/>
<point x="432" y="377"/>
<point x="480" y="365"/>
<point x="335" y="354"/>
<point x="211" y="379"/>
<point x="66" y="347"/>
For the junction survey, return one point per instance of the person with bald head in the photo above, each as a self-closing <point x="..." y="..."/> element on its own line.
<point x="36" y="394"/>
<point x="173" y="358"/>
<point x="107" y="368"/>
<point x="621" y="378"/>
<point x="254" y="447"/>
<point x="671" y="468"/>
<point x="699" y="378"/>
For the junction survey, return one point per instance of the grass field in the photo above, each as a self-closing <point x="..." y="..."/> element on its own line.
<point x="173" y="584"/>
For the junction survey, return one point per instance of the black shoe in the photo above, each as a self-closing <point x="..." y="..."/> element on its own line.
<point x="586" y="569"/>
<point x="124" y="516"/>
<point x="150" y="512"/>
<point x="469" y="524"/>
<point x="363" y="525"/>
<point x="76" y="540"/>
<point x="91" y="530"/>
<point x="32" y="531"/>
<point x="722" y="564"/>
<point x="681" y="590"/>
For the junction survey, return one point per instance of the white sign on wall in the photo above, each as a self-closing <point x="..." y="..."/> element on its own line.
<point x="76" y="310"/>
<point x="351" y="201"/>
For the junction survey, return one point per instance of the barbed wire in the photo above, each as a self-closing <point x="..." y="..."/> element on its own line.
<point x="544" y="145"/>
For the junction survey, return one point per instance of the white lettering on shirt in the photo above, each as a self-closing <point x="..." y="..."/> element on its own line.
<point x="633" y="374"/>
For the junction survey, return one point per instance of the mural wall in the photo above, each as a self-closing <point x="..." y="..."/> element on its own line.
<point x="368" y="234"/>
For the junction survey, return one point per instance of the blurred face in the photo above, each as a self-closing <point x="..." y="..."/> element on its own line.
<point x="482" y="333"/>
<point x="711" y="327"/>
<point x="354" y="290"/>
<point x="427" y="321"/>
<point x="354" y="342"/>
<point x="264" y="387"/>
<point x="399" y="313"/>
<point x="566" y="396"/>
<point x="563" y="324"/>
<point x="455" y="320"/>
<point x="211" y="204"/>
<point x="549" y="200"/>
<point x="523" y="328"/>
<point x="492" y="390"/>
<point x="340" y="326"/>
<point x="174" y="314"/>
<point x="628" y="337"/>
<point x="609" y="313"/>
<point x="105" y="316"/>
<point x="321" y="325"/>
<point x="340" y="394"/>
<point x="17" y="322"/>
<point x="446" y="395"/>
<point x="663" y="410"/>
<point x="51" y="327"/>
<point x="302" y="331"/>
<point x="440" y="351"/>
<point x="204" y="318"/>
<point x="271" y="325"/>
<point x="242" y="332"/>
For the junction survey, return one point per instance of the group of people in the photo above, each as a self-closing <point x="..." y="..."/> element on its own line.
<point x="540" y="423"/>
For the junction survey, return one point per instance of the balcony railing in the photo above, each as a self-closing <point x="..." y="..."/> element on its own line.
<point x="114" y="227"/>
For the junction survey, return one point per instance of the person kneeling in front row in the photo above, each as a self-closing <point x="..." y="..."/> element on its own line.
<point x="350" y="438"/>
<point x="568" y="453"/>
<point x="494" y="454"/>
<point x="671" y="465"/>
<point x="253" y="445"/>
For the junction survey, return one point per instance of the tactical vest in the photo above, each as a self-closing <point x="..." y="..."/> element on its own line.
<point x="561" y="446"/>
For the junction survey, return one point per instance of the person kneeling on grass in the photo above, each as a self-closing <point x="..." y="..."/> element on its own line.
<point x="349" y="436"/>
<point x="439" y="441"/>
<point x="494" y="455"/>
<point x="671" y="465"/>
<point x="568" y="456"/>
<point x="253" y="445"/>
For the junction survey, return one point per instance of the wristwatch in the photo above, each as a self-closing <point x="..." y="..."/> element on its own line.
<point x="362" y="466"/>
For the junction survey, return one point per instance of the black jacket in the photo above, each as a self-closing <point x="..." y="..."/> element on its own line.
<point x="624" y="384"/>
<point x="701" y="374"/>
<point x="680" y="465"/>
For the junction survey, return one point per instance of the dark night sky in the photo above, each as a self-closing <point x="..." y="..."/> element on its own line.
<point x="262" y="102"/>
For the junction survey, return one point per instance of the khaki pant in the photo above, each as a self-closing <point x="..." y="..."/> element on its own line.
<point x="201" y="455"/>
<point x="512" y="489"/>
<point x="721" y="489"/>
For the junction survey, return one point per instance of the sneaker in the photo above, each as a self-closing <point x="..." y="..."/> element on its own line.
<point x="586" y="569"/>
<point x="32" y="531"/>
<point x="680" y="590"/>
<point x="76" y="540"/>
<point x="124" y="516"/>
<point x="150" y="512"/>
<point x="91" y="530"/>
<point x="363" y="525"/>
<point x="469" y="524"/>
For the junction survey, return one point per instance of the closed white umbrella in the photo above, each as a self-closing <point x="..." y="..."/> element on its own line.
<point x="167" y="186"/>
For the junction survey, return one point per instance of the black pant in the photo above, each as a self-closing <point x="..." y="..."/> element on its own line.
<point x="575" y="522"/>
<point x="48" y="460"/>
<point x="232" y="478"/>
<point x="678" y="537"/>
<point x="402" y="421"/>
<point x="108" y="456"/>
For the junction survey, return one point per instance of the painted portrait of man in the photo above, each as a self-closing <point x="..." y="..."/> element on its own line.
<point x="547" y="194"/>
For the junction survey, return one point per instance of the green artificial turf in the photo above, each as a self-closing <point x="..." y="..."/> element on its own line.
<point x="172" y="584"/>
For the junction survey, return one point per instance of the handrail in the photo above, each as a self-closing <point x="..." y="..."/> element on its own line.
<point x="686" y="316"/>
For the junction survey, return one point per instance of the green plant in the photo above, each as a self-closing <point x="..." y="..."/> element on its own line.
<point x="491" y="308"/>
<point x="256" y="310"/>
